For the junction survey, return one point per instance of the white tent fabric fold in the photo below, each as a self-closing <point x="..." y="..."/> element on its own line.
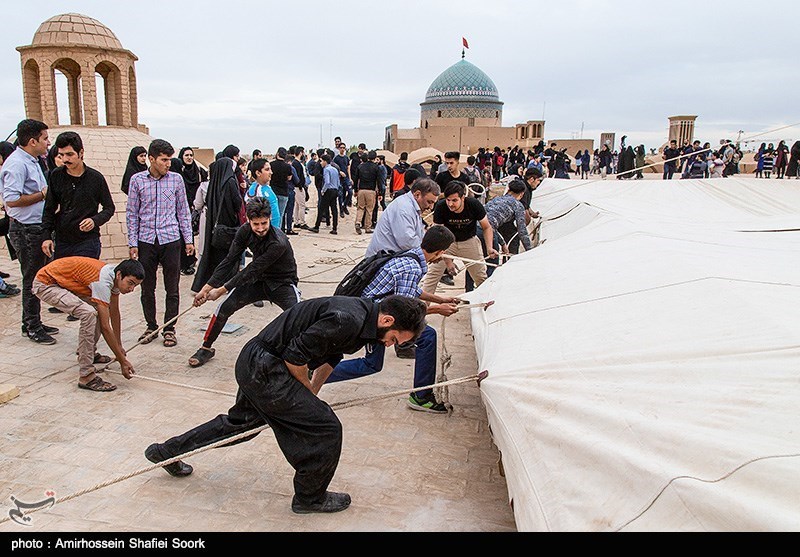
<point x="644" y="360"/>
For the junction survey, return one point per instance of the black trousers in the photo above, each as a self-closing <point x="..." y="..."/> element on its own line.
<point x="327" y="216"/>
<point x="27" y="241"/>
<point x="329" y="202"/>
<point x="187" y="261"/>
<point x="307" y="430"/>
<point x="169" y="257"/>
<point x="283" y="296"/>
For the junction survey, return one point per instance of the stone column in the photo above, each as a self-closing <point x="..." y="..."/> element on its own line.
<point x="124" y="97"/>
<point x="89" y="87"/>
<point x="47" y="87"/>
<point x="74" y="96"/>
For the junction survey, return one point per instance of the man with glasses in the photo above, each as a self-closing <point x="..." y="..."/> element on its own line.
<point x="401" y="276"/>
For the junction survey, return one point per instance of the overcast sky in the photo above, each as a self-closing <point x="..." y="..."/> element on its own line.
<point x="268" y="74"/>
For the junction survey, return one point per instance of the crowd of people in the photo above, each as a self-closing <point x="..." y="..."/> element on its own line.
<point x="185" y="220"/>
<point x="689" y="160"/>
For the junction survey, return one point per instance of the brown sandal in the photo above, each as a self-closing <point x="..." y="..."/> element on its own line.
<point x="170" y="339"/>
<point x="98" y="385"/>
<point x="147" y="336"/>
<point x="102" y="359"/>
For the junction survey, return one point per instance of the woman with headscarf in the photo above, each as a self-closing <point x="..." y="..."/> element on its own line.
<point x="627" y="162"/>
<point x="231" y="152"/>
<point x="137" y="162"/>
<point x="53" y="162"/>
<point x="794" y="161"/>
<point x="640" y="161"/>
<point x="759" y="158"/>
<point x="781" y="159"/>
<point x="224" y="206"/>
<point x="192" y="176"/>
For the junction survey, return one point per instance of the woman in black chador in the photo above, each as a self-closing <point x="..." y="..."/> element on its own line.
<point x="193" y="176"/>
<point x="137" y="162"/>
<point x="224" y="206"/>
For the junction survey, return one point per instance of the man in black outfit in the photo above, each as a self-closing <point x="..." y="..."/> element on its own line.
<point x="271" y="275"/>
<point x="670" y="165"/>
<point x="70" y="208"/>
<point x="272" y="372"/>
<point x="281" y="179"/>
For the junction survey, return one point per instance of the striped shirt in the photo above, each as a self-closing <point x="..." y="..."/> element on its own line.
<point x="158" y="210"/>
<point x="85" y="277"/>
<point x="401" y="276"/>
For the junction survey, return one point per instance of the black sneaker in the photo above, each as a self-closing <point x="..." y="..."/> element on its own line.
<point x="259" y="303"/>
<point x="40" y="336"/>
<point x="178" y="469"/>
<point x="447" y="279"/>
<point x="333" y="503"/>
<point x="53" y="309"/>
<point x="47" y="329"/>
<point x="9" y="290"/>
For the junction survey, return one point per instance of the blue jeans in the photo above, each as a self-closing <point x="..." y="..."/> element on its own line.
<point x="372" y="362"/>
<point x="288" y="213"/>
<point x="283" y="200"/>
<point x="345" y="195"/>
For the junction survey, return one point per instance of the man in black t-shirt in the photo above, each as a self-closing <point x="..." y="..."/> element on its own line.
<point x="461" y="215"/>
<point x="670" y="165"/>
<point x="451" y="159"/>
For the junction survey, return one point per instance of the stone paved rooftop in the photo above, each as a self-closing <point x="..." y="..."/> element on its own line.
<point x="406" y="471"/>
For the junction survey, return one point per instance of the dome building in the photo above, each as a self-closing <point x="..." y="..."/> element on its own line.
<point x="462" y="111"/>
<point x="90" y="57"/>
<point x="462" y="92"/>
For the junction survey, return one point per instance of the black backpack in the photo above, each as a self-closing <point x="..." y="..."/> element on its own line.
<point x="359" y="277"/>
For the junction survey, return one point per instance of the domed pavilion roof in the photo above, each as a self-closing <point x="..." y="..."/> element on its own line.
<point x="75" y="30"/>
<point x="462" y="81"/>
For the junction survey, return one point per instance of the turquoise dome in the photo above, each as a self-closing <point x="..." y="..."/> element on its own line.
<point x="462" y="81"/>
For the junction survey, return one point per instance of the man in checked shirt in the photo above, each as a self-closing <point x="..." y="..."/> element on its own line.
<point x="402" y="276"/>
<point x="157" y="217"/>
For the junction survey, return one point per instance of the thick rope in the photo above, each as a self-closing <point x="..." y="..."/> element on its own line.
<point x="442" y="394"/>
<point x="472" y="261"/>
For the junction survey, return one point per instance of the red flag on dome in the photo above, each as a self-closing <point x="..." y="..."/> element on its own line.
<point x="466" y="44"/>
